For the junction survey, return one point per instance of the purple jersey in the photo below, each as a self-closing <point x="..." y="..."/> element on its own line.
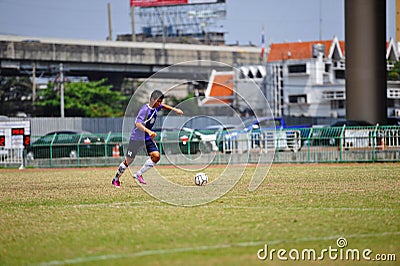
<point x="147" y="116"/>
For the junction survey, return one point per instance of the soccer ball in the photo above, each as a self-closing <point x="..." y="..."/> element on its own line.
<point x="200" y="179"/>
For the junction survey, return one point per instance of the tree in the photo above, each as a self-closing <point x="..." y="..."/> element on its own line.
<point x="394" y="74"/>
<point x="15" y="95"/>
<point x="83" y="99"/>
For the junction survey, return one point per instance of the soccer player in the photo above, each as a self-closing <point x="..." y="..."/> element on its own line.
<point x="142" y="137"/>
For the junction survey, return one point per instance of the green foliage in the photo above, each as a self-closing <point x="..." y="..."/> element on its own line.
<point x="394" y="74"/>
<point x="15" y="95"/>
<point x="86" y="99"/>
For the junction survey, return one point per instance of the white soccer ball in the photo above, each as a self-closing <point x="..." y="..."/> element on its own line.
<point x="200" y="179"/>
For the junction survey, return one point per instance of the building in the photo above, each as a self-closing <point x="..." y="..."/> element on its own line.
<point x="308" y="79"/>
<point x="239" y="90"/>
<point x="300" y="79"/>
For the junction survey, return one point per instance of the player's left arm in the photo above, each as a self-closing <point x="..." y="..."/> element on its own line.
<point x="176" y="110"/>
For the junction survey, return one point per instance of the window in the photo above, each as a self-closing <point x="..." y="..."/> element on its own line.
<point x="333" y="95"/>
<point x="46" y="139"/>
<point x="259" y="75"/>
<point x="327" y="68"/>
<point x="337" y="104"/>
<point x="300" y="68"/>
<point x="339" y="74"/>
<point x="301" y="98"/>
<point x="393" y="103"/>
<point x="67" y="138"/>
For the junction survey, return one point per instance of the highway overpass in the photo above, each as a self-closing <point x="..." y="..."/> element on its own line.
<point x="19" y="55"/>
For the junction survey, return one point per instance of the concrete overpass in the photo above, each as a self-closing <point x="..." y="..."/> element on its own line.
<point x="20" y="55"/>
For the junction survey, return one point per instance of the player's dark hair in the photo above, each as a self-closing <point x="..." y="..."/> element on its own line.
<point x="156" y="94"/>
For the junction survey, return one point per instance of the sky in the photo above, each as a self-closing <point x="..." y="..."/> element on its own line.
<point x="282" y="20"/>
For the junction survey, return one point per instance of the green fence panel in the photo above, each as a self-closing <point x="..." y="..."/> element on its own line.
<point x="303" y="145"/>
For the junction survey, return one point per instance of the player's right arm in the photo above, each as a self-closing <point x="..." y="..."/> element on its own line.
<point x="141" y="127"/>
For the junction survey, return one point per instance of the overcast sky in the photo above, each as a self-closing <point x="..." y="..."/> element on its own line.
<point x="283" y="20"/>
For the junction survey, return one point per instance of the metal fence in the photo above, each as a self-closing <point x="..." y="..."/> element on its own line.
<point x="346" y="144"/>
<point x="12" y="157"/>
<point x="303" y="145"/>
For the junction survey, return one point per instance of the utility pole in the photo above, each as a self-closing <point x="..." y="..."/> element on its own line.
<point x="397" y="21"/>
<point x="320" y="19"/>
<point x="62" y="89"/>
<point x="33" y="82"/>
<point x="109" y="22"/>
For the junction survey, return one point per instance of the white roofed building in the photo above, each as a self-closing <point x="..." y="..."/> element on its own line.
<point x="308" y="79"/>
<point x="299" y="79"/>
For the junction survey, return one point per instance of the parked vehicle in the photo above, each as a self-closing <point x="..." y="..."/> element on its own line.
<point x="394" y="121"/>
<point x="183" y="140"/>
<point x="263" y="132"/>
<point x="215" y="128"/>
<point x="222" y="130"/>
<point x="72" y="144"/>
<point x="351" y="123"/>
<point x="175" y="141"/>
<point x="330" y="135"/>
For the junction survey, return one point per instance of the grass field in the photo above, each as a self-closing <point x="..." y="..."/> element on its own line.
<point x="75" y="216"/>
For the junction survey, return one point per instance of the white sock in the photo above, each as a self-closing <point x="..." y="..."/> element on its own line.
<point x="120" y="171"/>
<point x="146" y="166"/>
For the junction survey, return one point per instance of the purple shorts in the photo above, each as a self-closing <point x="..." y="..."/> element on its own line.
<point x="135" y="146"/>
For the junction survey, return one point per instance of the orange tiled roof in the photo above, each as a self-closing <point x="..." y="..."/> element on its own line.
<point x="298" y="50"/>
<point x="221" y="89"/>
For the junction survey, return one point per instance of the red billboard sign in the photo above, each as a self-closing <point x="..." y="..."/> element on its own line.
<point x="151" y="3"/>
<point x="145" y="3"/>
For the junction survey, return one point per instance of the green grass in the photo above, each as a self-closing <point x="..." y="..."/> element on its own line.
<point x="75" y="216"/>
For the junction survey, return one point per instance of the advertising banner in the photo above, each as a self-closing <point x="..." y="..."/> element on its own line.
<point x="154" y="3"/>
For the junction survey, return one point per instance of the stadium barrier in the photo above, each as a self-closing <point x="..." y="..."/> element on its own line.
<point x="12" y="157"/>
<point x="262" y="141"/>
<point x="303" y="145"/>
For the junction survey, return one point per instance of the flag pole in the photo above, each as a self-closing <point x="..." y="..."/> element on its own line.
<point x="262" y="44"/>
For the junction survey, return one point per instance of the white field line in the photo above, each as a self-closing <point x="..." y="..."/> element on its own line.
<point x="200" y="248"/>
<point x="133" y="205"/>
<point x="142" y="204"/>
